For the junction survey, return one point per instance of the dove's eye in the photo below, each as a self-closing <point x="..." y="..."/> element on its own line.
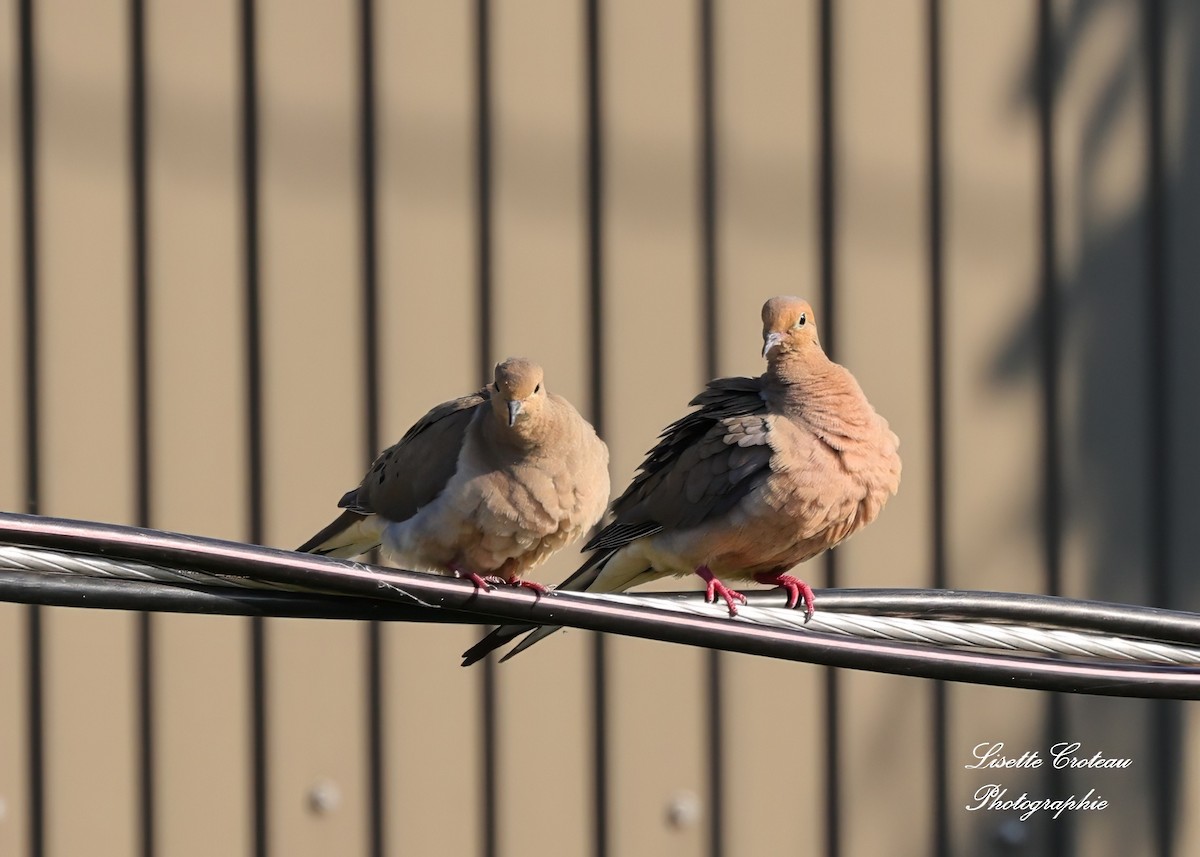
<point x="801" y="321"/>
<point x="538" y="388"/>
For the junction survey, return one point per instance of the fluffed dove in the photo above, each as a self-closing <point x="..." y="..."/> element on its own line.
<point x="764" y="474"/>
<point x="484" y="487"/>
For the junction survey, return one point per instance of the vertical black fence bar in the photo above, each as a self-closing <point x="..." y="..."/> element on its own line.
<point x="1158" y="367"/>
<point x="139" y="202"/>
<point x="483" y="212"/>
<point x="826" y="188"/>
<point x="1061" y="832"/>
<point x="708" y="187"/>
<point x="254" y="422"/>
<point x="483" y="184"/>
<point x="828" y="275"/>
<point x="937" y="417"/>
<point x="369" y="248"/>
<point x="1046" y="83"/>
<point x="1165" y="715"/>
<point x="35" y="746"/>
<point x="715" y="751"/>
<point x="595" y="283"/>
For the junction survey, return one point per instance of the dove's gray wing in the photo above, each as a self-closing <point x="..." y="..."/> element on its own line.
<point x="703" y="465"/>
<point x="404" y="478"/>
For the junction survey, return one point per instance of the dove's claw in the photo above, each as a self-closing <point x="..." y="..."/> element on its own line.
<point x="796" y="589"/>
<point x="481" y="583"/>
<point x="716" y="587"/>
<point x="529" y="584"/>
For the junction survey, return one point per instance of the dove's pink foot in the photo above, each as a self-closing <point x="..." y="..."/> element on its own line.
<point x="716" y="587"/>
<point x="528" y="584"/>
<point x="480" y="582"/>
<point x="796" y="588"/>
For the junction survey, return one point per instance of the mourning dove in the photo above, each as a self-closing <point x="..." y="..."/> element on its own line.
<point x="484" y="487"/>
<point x="764" y="474"/>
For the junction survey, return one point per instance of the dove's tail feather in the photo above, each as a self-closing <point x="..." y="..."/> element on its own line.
<point x="538" y="634"/>
<point x="350" y="535"/>
<point x="499" y="637"/>
<point x="583" y="580"/>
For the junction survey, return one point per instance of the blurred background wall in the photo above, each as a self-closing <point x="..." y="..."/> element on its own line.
<point x="244" y="245"/>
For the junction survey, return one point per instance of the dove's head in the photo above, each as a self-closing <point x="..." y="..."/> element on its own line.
<point x="788" y="327"/>
<point x="518" y="392"/>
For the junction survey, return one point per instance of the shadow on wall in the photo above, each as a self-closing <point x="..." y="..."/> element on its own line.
<point x="1105" y="347"/>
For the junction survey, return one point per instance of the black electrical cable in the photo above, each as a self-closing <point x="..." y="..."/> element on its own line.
<point x="107" y="593"/>
<point x="426" y="593"/>
<point x="1125" y="620"/>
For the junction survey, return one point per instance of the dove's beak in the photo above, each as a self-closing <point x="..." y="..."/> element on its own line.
<point x="514" y="407"/>
<point x="770" y="341"/>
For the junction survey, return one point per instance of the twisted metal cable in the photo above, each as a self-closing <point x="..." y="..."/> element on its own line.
<point x="945" y="633"/>
<point x="918" y="630"/>
<point x="934" y="632"/>
<point x="42" y="561"/>
<point x="87" y="564"/>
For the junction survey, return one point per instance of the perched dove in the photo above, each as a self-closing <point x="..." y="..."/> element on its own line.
<point x="765" y="473"/>
<point x="484" y="487"/>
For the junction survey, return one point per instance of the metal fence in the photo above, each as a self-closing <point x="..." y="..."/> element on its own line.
<point x="247" y="245"/>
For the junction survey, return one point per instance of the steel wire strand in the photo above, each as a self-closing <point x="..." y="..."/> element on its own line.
<point x="936" y="632"/>
<point x="196" y="569"/>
